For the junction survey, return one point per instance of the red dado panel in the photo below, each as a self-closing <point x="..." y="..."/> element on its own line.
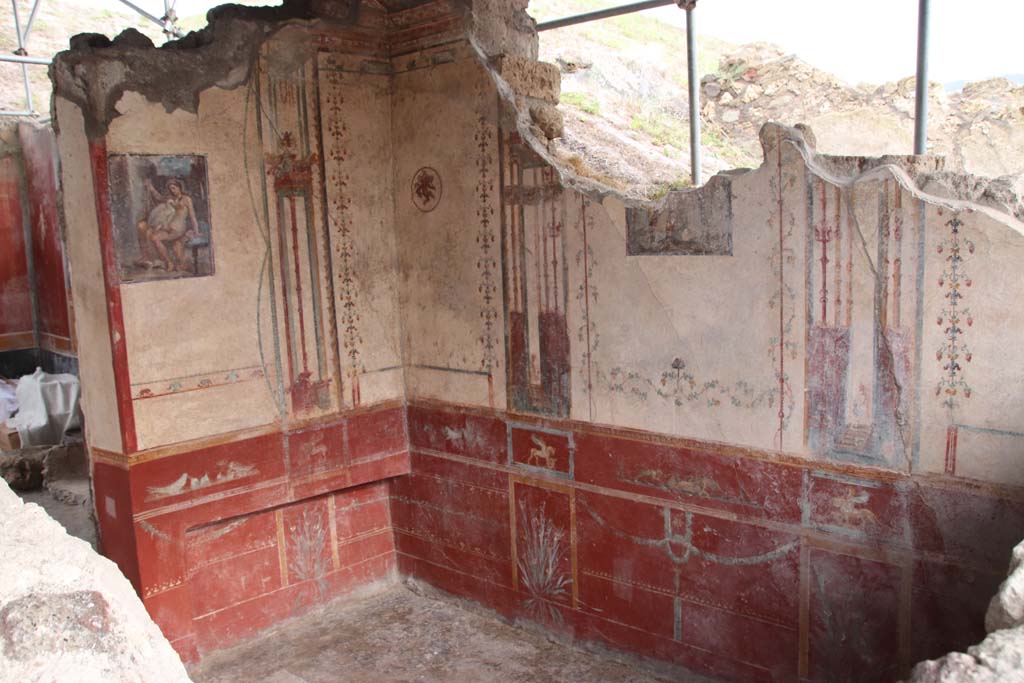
<point x="112" y="497"/>
<point x="854" y="618"/>
<point x="738" y="564"/>
<point x="468" y="434"/>
<point x="948" y="607"/>
<point x="15" y="290"/>
<point x="725" y="481"/>
<point x="544" y="449"/>
<point x="224" y="537"/>
<point x="735" y="563"/>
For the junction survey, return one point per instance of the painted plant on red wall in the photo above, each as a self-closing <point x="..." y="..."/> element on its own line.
<point x="954" y="315"/>
<point x="309" y="559"/>
<point x="540" y="563"/>
<point x="161" y="216"/>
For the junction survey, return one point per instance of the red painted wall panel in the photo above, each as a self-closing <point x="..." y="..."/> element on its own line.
<point x="731" y="562"/>
<point x="114" y="518"/>
<point x="225" y="537"/>
<point x="39" y="149"/>
<point x="15" y="288"/>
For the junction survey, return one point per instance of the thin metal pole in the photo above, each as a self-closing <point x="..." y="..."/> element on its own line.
<point x="921" y="104"/>
<point x="21" y="52"/>
<point x="694" y="84"/>
<point x="601" y="14"/>
<point x="31" y="20"/>
<point x="154" y="19"/>
<point x="169" y="28"/>
<point x="22" y="59"/>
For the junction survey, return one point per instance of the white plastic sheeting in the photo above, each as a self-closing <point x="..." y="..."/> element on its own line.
<point x="47" y="408"/>
<point x="8" y="401"/>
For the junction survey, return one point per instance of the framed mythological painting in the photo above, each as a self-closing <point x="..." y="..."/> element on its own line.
<point x="160" y="207"/>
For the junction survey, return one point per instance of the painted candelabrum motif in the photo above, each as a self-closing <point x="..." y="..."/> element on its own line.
<point x="340" y="227"/>
<point x="586" y="294"/>
<point x="487" y="263"/>
<point x="536" y="291"/>
<point x="954" y="281"/>
<point x="299" y="256"/>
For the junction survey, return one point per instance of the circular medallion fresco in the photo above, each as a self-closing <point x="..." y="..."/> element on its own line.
<point x="426" y="189"/>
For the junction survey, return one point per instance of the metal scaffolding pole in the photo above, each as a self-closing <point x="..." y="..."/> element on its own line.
<point x="21" y="52"/>
<point x="31" y="20"/>
<point x="691" y="59"/>
<point x="921" y="81"/>
<point x="166" y="23"/>
<point x="602" y="14"/>
<point x="20" y="59"/>
<point x="694" y="84"/>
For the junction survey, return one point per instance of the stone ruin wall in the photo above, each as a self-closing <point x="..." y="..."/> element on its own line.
<point x="766" y="429"/>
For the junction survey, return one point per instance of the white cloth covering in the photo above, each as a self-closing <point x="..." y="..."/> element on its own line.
<point x="8" y="400"/>
<point x="47" y="408"/>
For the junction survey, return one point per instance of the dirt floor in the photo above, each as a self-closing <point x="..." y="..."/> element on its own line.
<point x="74" y="517"/>
<point x="398" y="635"/>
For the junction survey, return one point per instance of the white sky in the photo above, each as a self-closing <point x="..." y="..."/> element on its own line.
<point x="873" y="40"/>
<point x="860" y="40"/>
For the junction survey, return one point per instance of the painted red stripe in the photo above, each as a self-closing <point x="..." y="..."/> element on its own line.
<point x="112" y="285"/>
<point x="951" y="434"/>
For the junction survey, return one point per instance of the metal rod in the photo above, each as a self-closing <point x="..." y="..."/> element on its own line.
<point x="31" y="20"/>
<point x="8" y="112"/>
<point x="21" y="59"/>
<point x="921" y="103"/>
<point x="156" y="20"/>
<point x="169" y="27"/>
<point x="17" y="23"/>
<point x="694" y="85"/>
<point x="600" y="14"/>
<point x="21" y="51"/>
<point x="28" y="88"/>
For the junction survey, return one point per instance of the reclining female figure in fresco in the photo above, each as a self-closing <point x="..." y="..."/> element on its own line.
<point x="168" y="225"/>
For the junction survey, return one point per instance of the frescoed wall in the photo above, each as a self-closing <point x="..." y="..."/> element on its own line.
<point x="35" y="311"/>
<point x="16" y="324"/>
<point x="766" y="429"/>
<point x="54" y="316"/>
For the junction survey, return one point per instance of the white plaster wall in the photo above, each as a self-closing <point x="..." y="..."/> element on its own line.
<point x="436" y="113"/>
<point x="198" y="325"/>
<point x="85" y="266"/>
